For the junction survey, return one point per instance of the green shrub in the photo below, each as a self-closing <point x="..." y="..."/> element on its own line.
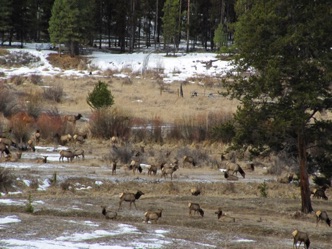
<point x="100" y="96"/>
<point x="263" y="189"/>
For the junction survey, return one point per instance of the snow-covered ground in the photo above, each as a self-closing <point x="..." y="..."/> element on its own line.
<point x="179" y="67"/>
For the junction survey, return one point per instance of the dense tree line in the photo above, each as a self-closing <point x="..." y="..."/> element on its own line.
<point x="124" y="25"/>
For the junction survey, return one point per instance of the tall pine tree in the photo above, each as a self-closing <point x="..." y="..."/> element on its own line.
<point x="287" y="45"/>
<point x="6" y="9"/>
<point x="72" y="23"/>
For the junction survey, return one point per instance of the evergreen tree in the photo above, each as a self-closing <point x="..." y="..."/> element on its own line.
<point x="71" y="23"/>
<point x="100" y="96"/>
<point x="287" y="44"/>
<point x="170" y="21"/>
<point x="6" y="9"/>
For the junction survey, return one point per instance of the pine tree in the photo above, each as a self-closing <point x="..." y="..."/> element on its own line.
<point x="5" y="14"/>
<point x="170" y="21"/>
<point x="287" y="47"/>
<point x="71" y="23"/>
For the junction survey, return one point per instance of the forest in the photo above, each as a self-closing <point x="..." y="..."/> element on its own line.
<point x="121" y="25"/>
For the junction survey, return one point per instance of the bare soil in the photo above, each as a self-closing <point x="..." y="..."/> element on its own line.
<point x="264" y="222"/>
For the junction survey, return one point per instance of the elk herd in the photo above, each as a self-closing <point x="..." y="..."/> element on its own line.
<point x="228" y="166"/>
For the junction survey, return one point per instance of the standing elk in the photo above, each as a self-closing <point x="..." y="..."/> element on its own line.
<point x="168" y="170"/>
<point x="130" y="197"/>
<point x="300" y="237"/>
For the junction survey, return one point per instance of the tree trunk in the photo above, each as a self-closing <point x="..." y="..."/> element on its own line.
<point x="304" y="181"/>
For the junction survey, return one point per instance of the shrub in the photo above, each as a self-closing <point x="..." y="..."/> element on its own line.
<point x="54" y="93"/>
<point x="49" y="124"/>
<point x="6" y="180"/>
<point x="100" y="96"/>
<point x="36" y="79"/>
<point x="29" y="208"/>
<point x="8" y="101"/>
<point x="105" y="123"/>
<point x="34" y="105"/>
<point x="263" y="189"/>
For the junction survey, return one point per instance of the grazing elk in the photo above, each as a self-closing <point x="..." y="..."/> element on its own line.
<point x="234" y="167"/>
<point x="130" y="197"/>
<point x="319" y="193"/>
<point x="322" y="216"/>
<point x="300" y="237"/>
<point x="68" y="154"/>
<point x="196" y="208"/>
<point x="79" y="152"/>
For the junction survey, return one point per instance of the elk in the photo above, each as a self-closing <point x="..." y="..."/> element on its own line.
<point x="109" y="214"/>
<point x="135" y="165"/>
<point x="64" y="139"/>
<point x="68" y="154"/>
<point x="230" y="177"/>
<point x="300" y="237"/>
<point x="153" y="216"/>
<point x="196" y="208"/>
<point x="79" y="152"/>
<point x="322" y="216"/>
<point x="195" y="191"/>
<point x="130" y="197"/>
<point x="190" y="160"/>
<point x="72" y="118"/>
<point x="234" y="167"/>
<point x="4" y="149"/>
<point x="152" y="169"/>
<point x="168" y="170"/>
<point x="219" y="213"/>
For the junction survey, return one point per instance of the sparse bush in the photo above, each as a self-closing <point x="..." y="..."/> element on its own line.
<point x="54" y="93"/>
<point x="17" y="80"/>
<point x="36" y="79"/>
<point x="34" y="184"/>
<point x="100" y="97"/>
<point x="106" y="122"/>
<point x="65" y="186"/>
<point x="6" y="180"/>
<point x="29" y="208"/>
<point x="8" y="101"/>
<point x="34" y="105"/>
